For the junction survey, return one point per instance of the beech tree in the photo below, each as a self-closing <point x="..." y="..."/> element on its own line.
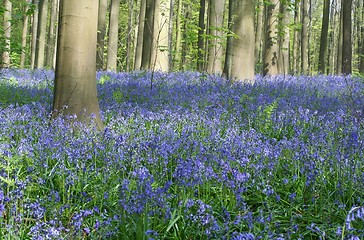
<point x="101" y="31"/>
<point x="5" y="60"/>
<point x="75" y="76"/>
<point x="112" y="52"/>
<point x="41" y="34"/>
<point x="347" y="42"/>
<point x="240" y="59"/>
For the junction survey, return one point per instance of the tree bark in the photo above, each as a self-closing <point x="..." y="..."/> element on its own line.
<point x="323" y="39"/>
<point x="41" y="34"/>
<point x="201" y="31"/>
<point x="347" y="41"/>
<point x="361" y="53"/>
<point x="258" y="32"/>
<point x="339" y="60"/>
<point x="296" y="39"/>
<point x="271" y="47"/>
<point x="129" y="37"/>
<point x="24" y="37"/>
<point x="5" y="60"/>
<point x="148" y="35"/>
<point x="284" y="40"/>
<point x="139" y="43"/>
<point x="177" y="49"/>
<point x="304" y="37"/>
<point x="51" y="35"/>
<point x="112" y="50"/>
<point x="216" y="16"/>
<point x="241" y="59"/>
<point x="75" y="75"/>
<point x="101" y="31"/>
<point x="34" y="35"/>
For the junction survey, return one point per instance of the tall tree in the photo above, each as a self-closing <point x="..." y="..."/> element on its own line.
<point x="51" y="34"/>
<point x="259" y="31"/>
<point x="41" y="33"/>
<point x="148" y="35"/>
<point x="24" y="36"/>
<point x="34" y="35"/>
<point x="129" y="35"/>
<point x="296" y="39"/>
<point x="240" y="54"/>
<point x="178" y="45"/>
<point x="139" y="43"/>
<point x="324" y="33"/>
<point x="361" y="50"/>
<point x="160" y="50"/>
<point x="5" y="60"/>
<point x="284" y="38"/>
<point x="75" y="75"/>
<point x="271" y="47"/>
<point x="216" y="20"/>
<point x="101" y="31"/>
<point x="201" y="32"/>
<point x="347" y="41"/>
<point x="304" y="37"/>
<point x="112" y="50"/>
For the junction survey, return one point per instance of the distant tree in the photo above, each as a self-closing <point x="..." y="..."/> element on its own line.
<point x="323" y="39"/>
<point x="347" y="41"/>
<point x="75" y="76"/>
<point x="5" y="59"/>
<point x="201" y="32"/>
<point x="139" y="38"/>
<point x="304" y="37"/>
<point x="41" y="34"/>
<point x="34" y="35"/>
<point x="51" y="35"/>
<point x="101" y="31"/>
<point x="148" y="35"/>
<point x="112" y="46"/>
<point x="24" y="36"/>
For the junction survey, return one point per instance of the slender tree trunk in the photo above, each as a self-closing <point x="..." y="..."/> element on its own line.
<point x="34" y="35"/>
<point x="51" y="34"/>
<point x="323" y="40"/>
<point x="361" y="55"/>
<point x="129" y="37"/>
<point x="216" y="13"/>
<point x="170" y="35"/>
<point x="24" y="37"/>
<point x="177" y="50"/>
<point x="304" y="37"/>
<point x="148" y="35"/>
<point x="284" y="40"/>
<point x="139" y="44"/>
<point x="296" y="39"/>
<point x="229" y="43"/>
<point x="160" y="46"/>
<point x="101" y="31"/>
<point x="339" y="60"/>
<point x="41" y="34"/>
<point x="75" y="75"/>
<point x="112" y="51"/>
<point x="5" y="63"/>
<point x="347" y="41"/>
<point x="242" y="59"/>
<point x="201" y="31"/>
<point x="271" y="47"/>
<point x="258" y="32"/>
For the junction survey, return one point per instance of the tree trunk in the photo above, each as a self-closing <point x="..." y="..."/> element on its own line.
<point x="177" y="50"/>
<point x="5" y="60"/>
<point x="75" y="75"/>
<point x="241" y="53"/>
<point x="296" y="39"/>
<point x="24" y="37"/>
<point x="101" y="31"/>
<point x="339" y="60"/>
<point x="51" y="34"/>
<point x="41" y="34"/>
<point x="216" y="15"/>
<point x="129" y="37"/>
<point x="34" y="36"/>
<point x="271" y="47"/>
<point x="170" y="35"/>
<point x="139" y="43"/>
<point x="258" y="32"/>
<point x="347" y="41"/>
<point x="229" y="43"/>
<point x="201" y="31"/>
<point x="160" y="46"/>
<point x="112" y="50"/>
<point x="148" y="35"/>
<point x="284" y="40"/>
<point x="361" y="53"/>
<point x="323" y="40"/>
<point x="304" y="37"/>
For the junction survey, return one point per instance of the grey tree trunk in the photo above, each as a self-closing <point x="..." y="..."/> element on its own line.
<point x="139" y="43"/>
<point x="101" y="31"/>
<point x="216" y="17"/>
<point x="284" y="40"/>
<point x="258" y="32"/>
<point x="24" y="38"/>
<point x="201" y="31"/>
<point x="361" y="53"/>
<point x="75" y="75"/>
<point x="5" y="60"/>
<point x="242" y="60"/>
<point x="41" y="34"/>
<point x="177" y="49"/>
<point x="296" y="40"/>
<point x="347" y="41"/>
<point x="34" y="35"/>
<point x="339" y="60"/>
<point x="51" y="35"/>
<point x="129" y="39"/>
<point x="148" y="35"/>
<point x="271" y="46"/>
<point x="323" y="39"/>
<point x="112" y="50"/>
<point x="304" y="37"/>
